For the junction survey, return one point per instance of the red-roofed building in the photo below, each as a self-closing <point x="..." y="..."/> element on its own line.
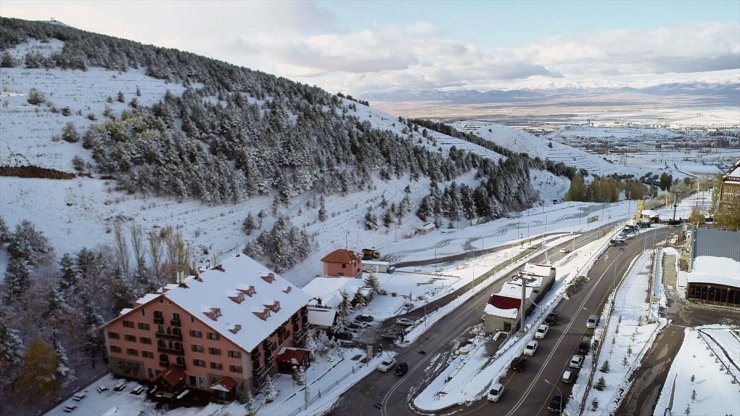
<point x="343" y="263"/>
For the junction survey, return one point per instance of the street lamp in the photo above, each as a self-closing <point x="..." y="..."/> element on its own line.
<point x="559" y="392"/>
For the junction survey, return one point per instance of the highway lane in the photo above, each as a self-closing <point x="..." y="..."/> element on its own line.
<point x="392" y="392"/>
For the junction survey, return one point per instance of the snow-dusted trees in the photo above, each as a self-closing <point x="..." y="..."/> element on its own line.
<point x="281" y="247"/>
<point x="371" y="220"/>
<point x="11" y="353"/>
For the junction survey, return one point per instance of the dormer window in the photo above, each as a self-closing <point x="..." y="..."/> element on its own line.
<point x="248" y="290"/>
<point x="287" y="289"/>
<point x="213" y="313"/>
<point x="262" y="313"/>
<point x="235" y="328"/>
<point x="237" y="297"/>
<point x="273" y="306"/>
<point x="268" y="277"/>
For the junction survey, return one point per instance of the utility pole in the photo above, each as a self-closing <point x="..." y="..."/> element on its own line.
<point x="524" y="280"/>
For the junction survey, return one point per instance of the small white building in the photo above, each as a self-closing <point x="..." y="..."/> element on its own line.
<point x="426" y="228"/>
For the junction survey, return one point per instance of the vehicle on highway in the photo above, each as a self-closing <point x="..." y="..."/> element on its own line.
<point x="569" y="376"/>
<point x="552" y="319"/>
<point x="530" y="348"/>
<point x="565" y="250"/>
<point x="592" y="321"/>
<point x="401" y="369"/>
<point x="404" y="321"/>
<point x="364" y="318"/>
<point x="584" y="347"/>
<point x="387" y="364"/>
<point x="556" y="404"/>
<point x="518" y="364"/>
<point x="495" y="393"/>
<point x="541" y="331"/>
<point x="576" y="361"/>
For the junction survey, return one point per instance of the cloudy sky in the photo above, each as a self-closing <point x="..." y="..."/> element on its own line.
<point x="364" y="46"/>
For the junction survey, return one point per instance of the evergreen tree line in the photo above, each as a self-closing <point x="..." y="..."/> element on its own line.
<point x="50" y="311"/>
<point x="607" y="189"/>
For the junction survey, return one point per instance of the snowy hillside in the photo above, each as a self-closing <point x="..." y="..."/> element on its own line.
<point x="520" y="141"/>
<point x="81" y="212"/>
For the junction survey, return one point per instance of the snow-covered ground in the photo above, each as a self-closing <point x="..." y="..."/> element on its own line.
<point x="630" y="327"/>
<point x="468" y="376"/>
<point x="704" y="376"/>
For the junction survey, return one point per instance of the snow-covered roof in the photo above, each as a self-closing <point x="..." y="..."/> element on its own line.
<point x="206" y="298"/>
<point x="328" y="289"/>
<point x="715" y="270"/>
<point x="375" y="263"/>
<point x="321" y="316"/>
<point x="504" y="313"/>
<point x="537" y="269"/>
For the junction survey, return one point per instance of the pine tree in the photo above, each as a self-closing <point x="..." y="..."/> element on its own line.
<point x="248" y="224"/>
<point x="372" y="282"/>
<point x="388" y="218"/>
<point x="600" y="384"/>
<point x="271" y="392"/>
<point x="17" y="279"/>
<point x="605" y="367"/>
<point x="371" y="221"/>
<point x="67" y="278"/>
<point x="11" y="353"/>
<point x="4" y="231"/>
<point x="38" y="375"/>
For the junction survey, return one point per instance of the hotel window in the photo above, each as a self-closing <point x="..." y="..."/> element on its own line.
<point x="145" y="340"/>
<point x="113" y="335"/>
<point x="235" y="369"/>
<point x="195" y="333"/>
<point x="235" y="354"/>
<point x="199" y="363"/>
<point x="147" y="354"/>
<point x="143" y="326"/>
<point x="113" y="348"/>
<point x="214" y="351"/>
<point x="217" y="366"/>
<point x="130" y="338"/>
<point x="128" y="324"/>
<point x="213" y="336"/>
<point x="197" y="348"/>
<point x="131" y="351"/>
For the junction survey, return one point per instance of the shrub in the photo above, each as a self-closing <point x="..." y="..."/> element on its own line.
<point x="35" y="97"/>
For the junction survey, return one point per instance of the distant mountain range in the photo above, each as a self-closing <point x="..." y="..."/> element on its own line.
<point x="693" y="93"/>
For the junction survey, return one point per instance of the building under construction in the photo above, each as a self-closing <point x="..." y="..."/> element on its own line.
<point x="502" y="311"/>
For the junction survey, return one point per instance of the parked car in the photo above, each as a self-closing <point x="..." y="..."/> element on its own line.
<point x="569" y="376"/>
<point x="345" y="335"/>
<point x="592" y="321"/>
<point x="576" y="361"/>
<point x="552" y="319"/>
<point x="387" y="364"/>
<point x="541" y="331"/>
<point x="530" y="348"/>
<point x="364" y="318"/>
<point x="518" y="364"/>
<point x="556" y="404"/>
<point x="401" y="369"/>
<point x="584" y="347"/>
<point x="404" y="321"/>
<point x="390" y="335"/>
<point x="495" y="393"/>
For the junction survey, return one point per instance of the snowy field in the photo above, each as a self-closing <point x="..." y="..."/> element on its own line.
<point x="703" y="379"/>
<point x="631" y="326"/>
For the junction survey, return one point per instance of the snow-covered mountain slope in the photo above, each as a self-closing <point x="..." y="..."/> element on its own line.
<point x="81" y="212"/>
<point x="521" y="141"/>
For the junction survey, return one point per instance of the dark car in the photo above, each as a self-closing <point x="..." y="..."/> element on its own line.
<point x="584" y="347"/>
<point x="556" y="404"/>
<point x="552" y="319"/>
<point x="518" y="364"/>
<point x="364" y="318"/>
<point x="391" y="335"/>
<point x="345" y="335"/>
<point x="401" y="369"/>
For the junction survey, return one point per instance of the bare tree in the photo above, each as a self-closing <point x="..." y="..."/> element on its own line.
<point x="121" y="249"/>
<point x="137" y="241"/>
<point x="155" y="252"/>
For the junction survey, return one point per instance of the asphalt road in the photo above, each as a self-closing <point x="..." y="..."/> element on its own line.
<point x="387" y="394"/>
